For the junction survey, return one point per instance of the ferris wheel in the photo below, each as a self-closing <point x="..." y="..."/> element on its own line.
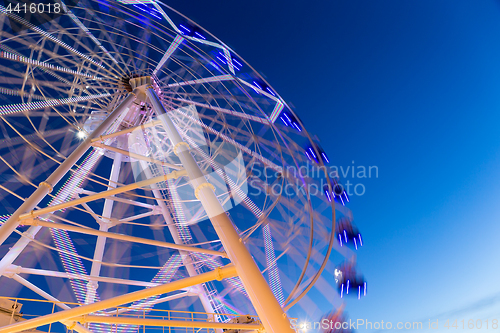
<point x="152" y="179"/>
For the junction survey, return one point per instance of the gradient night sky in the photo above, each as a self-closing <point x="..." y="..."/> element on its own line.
<point x="411" y="87"/>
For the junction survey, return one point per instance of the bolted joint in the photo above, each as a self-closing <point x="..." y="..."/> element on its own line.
<point x="47" y="185"/>
<point x="218" y="274"/>
<point x="176" y="174"/>
<point x="72" y="325"/>
<point x="182" y="143"/>
<point x="200" y="187"/>
<point x="32" y="222"/>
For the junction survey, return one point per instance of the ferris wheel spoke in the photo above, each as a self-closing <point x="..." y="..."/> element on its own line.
<point x="257" y="89"/>
<point x="171" y="49"/>
<point x="47" y="35"/>
<point x="21" y="59"/>
<point x="105" y="29"/>
<point x="14" y="141"/>
<point x="17" y="108"/>
<point x="276" y="111"/>
<point x="235" y="188"/>
<point x="203" y="80"/>
<point x="219" y="120"/>
<point x="138" y="240"/>
<point x="77" y="39"/>
<point x="236" y="144"/>
<point x="273" y="274"/>
<point x="63" y="61"/>
<point x="19" y="92"/>
<point x="78" y="276"/>
<point x="136" y="156"/>
<point x="87" y="31"/>
<point x="231" y="112"/>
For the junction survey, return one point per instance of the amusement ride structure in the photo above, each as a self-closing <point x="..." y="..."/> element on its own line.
<point x="152" y="180"/>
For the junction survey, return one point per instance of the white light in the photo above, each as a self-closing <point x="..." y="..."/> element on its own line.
<point x="87" y="87"/>
<point x="303" y="327"/>
<point x="81" y="134"/>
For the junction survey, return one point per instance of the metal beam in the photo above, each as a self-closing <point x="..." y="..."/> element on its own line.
<point x="153" y="302"/>
<point x="185" y="256"/>
<point x="218" y="274"/>
<point x="46" y="187"/>
<point x="127" y="238"/>
<point x="266" y="305"/>
<point x="104" y="225"/>
<point x="127" y="201"/>
<point x="138" y="216"/>
<point x="13" y="269"/>
<point x="103" y="194"/>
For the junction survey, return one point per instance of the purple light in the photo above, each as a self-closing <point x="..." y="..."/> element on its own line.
<point x="258" y="86"/>
<point x="308" y="156"/>
<point x="312" y="151"/>
<point x="267" y="88"/>
<point x="148" y="11"/>
<point x="284" y="121"/>
<point x="345" y="236"/>
<point x="158" y="17"/>
<point x="221" y="60"/>
<point x="340" y="239"/>
<point x="359" y="292"/>
<point x="199" y="35"/>
<point x="297" y="126"/>
<point x="364" y="289"/>
<point x="214" y="65"/>
<point x="326" y="158"/>
<point x="355" y="244"/>
<point x="236" y="61"/>
<point x="347" y="290"/>
<point x="183" y="27"/>
<point x="328" y="195"/>
<point x="140" y="8"/>
<point x="342" y="291"/>
<point x="287" y="117"/>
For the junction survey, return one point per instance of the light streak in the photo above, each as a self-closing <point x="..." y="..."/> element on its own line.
<point x="23" y="107"/>
<point x="226" y="77"/>
<point x="48" y="36"/>
<point x="41" y="64"/>
<point x="173" y="46"/>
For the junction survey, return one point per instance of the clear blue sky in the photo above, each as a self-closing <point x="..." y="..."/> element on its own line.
<point x="412" y="87"/>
